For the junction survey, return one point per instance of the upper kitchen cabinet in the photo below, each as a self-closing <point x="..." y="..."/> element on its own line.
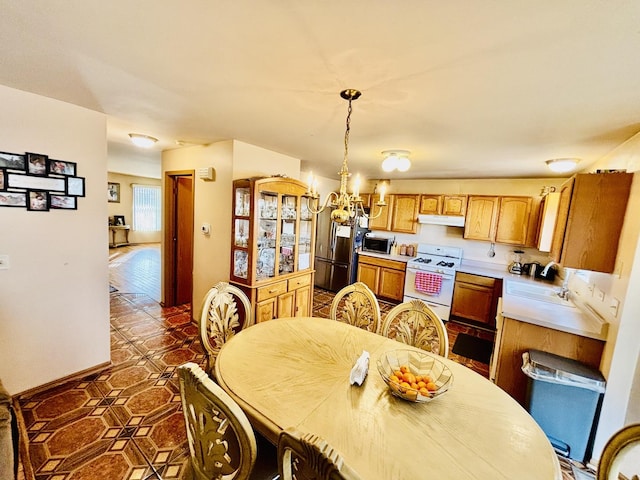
<point x="591" y="212"/>
<point x="404" y="216"/>
<point x="508" y="220"/>
<point x="443" y="204"/>
<point x="400" y="214"/>
<point x="273" y="233"/>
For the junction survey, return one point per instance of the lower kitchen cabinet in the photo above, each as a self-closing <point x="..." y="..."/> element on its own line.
<point x="475" y="298"/>
<point x="384" y="277"/>
<point x="285" y="298"/>
<point x="515" y="337"/>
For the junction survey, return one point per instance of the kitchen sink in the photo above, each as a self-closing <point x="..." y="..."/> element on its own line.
<point x="541" y="293"/>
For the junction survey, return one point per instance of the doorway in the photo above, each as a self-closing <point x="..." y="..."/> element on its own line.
<point x="178" y="238"/>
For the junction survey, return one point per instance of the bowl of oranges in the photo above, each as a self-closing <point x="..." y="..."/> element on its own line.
<point x="414" y="376"/>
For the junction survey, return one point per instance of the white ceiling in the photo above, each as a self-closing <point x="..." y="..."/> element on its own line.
<point x="472" y="88"/>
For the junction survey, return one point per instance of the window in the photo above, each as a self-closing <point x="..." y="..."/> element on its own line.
<point x="146" y="208"/>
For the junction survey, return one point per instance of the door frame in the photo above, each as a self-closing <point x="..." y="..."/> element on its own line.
<point x="169" y="263"/>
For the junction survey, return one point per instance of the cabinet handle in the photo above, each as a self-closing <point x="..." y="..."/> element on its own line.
<point x="273" y="290"/>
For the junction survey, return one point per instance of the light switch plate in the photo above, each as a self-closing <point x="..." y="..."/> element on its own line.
<point x="4" y="262"/>
<point x="614" y="306"/>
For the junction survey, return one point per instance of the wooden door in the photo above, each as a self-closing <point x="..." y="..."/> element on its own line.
<point x="286" y="304"/>
<point x="369" y="275"/>
<point x="513" y="220"/>
<point x="391" y="284"/>
<point x="266" y="310"/>
<point x="383" y="222"/>
<point x="302" y="306"/>
<point x="405" y="214"/>
<point x="561" y="219"/>
<point x="482" y="214"/>
<point x="178" y="238"/>
<point x="430" y="204"/>
<point x="454" y="205"/>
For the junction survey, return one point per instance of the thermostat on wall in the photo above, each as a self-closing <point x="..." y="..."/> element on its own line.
<point x="207" y="173"/>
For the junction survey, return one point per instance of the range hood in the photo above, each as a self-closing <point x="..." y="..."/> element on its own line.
<point x="448" y="220"/>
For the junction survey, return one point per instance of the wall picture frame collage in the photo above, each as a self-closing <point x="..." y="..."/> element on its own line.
<point x="39" y="183"/>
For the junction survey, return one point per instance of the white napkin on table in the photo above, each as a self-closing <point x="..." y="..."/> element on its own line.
<point x="360" y="369"/>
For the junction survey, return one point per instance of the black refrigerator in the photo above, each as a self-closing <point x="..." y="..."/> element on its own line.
<point x="336" y="260"/>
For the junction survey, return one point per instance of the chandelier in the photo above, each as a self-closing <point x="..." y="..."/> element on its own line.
<point x="345" y="206"/>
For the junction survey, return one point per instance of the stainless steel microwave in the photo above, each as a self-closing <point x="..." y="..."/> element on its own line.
<point x="377" y="244"/>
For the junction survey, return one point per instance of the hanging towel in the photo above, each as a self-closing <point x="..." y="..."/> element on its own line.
<point x="430" y="283"/>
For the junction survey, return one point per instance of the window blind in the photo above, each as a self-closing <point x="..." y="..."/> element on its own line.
<point x="146" y="208"/>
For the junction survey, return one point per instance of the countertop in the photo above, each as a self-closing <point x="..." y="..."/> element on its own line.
<point x="386" y="256"/>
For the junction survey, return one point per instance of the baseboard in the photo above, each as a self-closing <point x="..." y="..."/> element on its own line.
<point x="73" y="376"/>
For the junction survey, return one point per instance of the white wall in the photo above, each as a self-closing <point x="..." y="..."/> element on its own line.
<point x="54" y="299"/>
<point x="132" y="160"/>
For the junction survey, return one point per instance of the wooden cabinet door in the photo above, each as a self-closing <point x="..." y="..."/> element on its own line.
<point x="513" y="220"/>
<point x="472" y="302"/>
<point x="286" y="304"/>
<point x="561" y="219"/>
<point x="481" y="219"/>
<point x="369" y="275"/>
<point x="391" y="284"/>
<point x="303" y="302"/>
<point x="383" y="222"/>
<point x="405" y="214"/>
<point x="266" y="310"/>
<point x="454" y="205"/>
<point x="430" y="204"/>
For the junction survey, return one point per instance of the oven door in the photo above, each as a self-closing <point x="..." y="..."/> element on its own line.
<point x="440" y="303"/>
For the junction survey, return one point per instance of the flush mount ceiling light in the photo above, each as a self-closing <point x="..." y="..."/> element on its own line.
<point x="562" y="165"/>
<point x="144" y="141"/>
<point x="396" y="160"/>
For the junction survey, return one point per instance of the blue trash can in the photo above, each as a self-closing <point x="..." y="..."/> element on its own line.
<point x="564" y="397"/>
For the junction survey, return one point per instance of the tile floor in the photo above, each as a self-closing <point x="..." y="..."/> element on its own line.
<point x="126" y="422"/>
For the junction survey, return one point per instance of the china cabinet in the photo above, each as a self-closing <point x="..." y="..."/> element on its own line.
<point x="272" y="245"/>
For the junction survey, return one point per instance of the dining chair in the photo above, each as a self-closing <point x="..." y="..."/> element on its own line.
<point x="621" y="455"/>
<point x="220" y="319"/>
<point x="416" y="324"/>
<point x="356" y="305"/>
<point x="305" y="456"/>
<point x="221" y="440"/>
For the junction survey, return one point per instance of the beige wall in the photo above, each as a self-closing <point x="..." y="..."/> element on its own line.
<point x="231" y="160"/>
<point x="54" y="298"/>
<point x="125" y="206"/>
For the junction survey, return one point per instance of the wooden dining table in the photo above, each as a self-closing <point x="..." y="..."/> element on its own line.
<point x="294" y="372"/>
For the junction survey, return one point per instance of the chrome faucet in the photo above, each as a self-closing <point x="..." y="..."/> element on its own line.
<point x="546" y="268"/>
<point x="564" y="291"/>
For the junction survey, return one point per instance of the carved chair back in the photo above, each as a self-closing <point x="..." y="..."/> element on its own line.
<point x="621" y="455"/>
<point x="415" y="324"/>
<point x="356" y="305"/>
<point x="309" y="457"/>
<point x="221" y="441"/>
<point x="220" y="319"/>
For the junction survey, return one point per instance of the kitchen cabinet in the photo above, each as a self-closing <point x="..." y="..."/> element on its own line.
<point x="501" y="219"/>
<point x="272" y="245"/>
<point x="515" y="337"/>
<point x="443" y="204"/>
<point x="591" y="213"/>
<point x="384" y="277"/>
<point x="404" y="217"/>
<point x="475" y="298"/>
<point x="400" y="214"/>
<point x="547" y="221"/>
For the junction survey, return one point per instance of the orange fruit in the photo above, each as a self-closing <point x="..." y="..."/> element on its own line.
<point x="423" y="391"/>
<point x="431" y="387"/>
<point x="398" y="373"/>
<point x="404" y="369"/>
<point x="409" y="377"/>
<point x="411" y="395"/>
<point x="422" y="384"/>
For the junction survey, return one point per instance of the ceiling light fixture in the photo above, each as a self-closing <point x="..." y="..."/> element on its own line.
<point x="345" y="206"/>
<point x="562" y="165"/>
<point x="144" y="141"/>
<point x="396" y="160"/>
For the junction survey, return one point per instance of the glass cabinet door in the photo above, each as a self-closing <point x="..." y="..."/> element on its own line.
<point x="267" y="234"/>
<point x="242" y="210"/>
<point x="289" y="216"/>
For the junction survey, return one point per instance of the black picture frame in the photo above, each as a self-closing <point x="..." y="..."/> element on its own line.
<point x="38" y="201"/>
<point x="113" y="192"/>
<point x="75" y="186"/>
<point x="37" y="163"/>
<point x="61" y="167"/>
<point x="3" y="179"/>
<point x="13" y="161"/>
<point x="119" y="221"/>
<point x="62" y="202"/>
<point x="13" y="199"/>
